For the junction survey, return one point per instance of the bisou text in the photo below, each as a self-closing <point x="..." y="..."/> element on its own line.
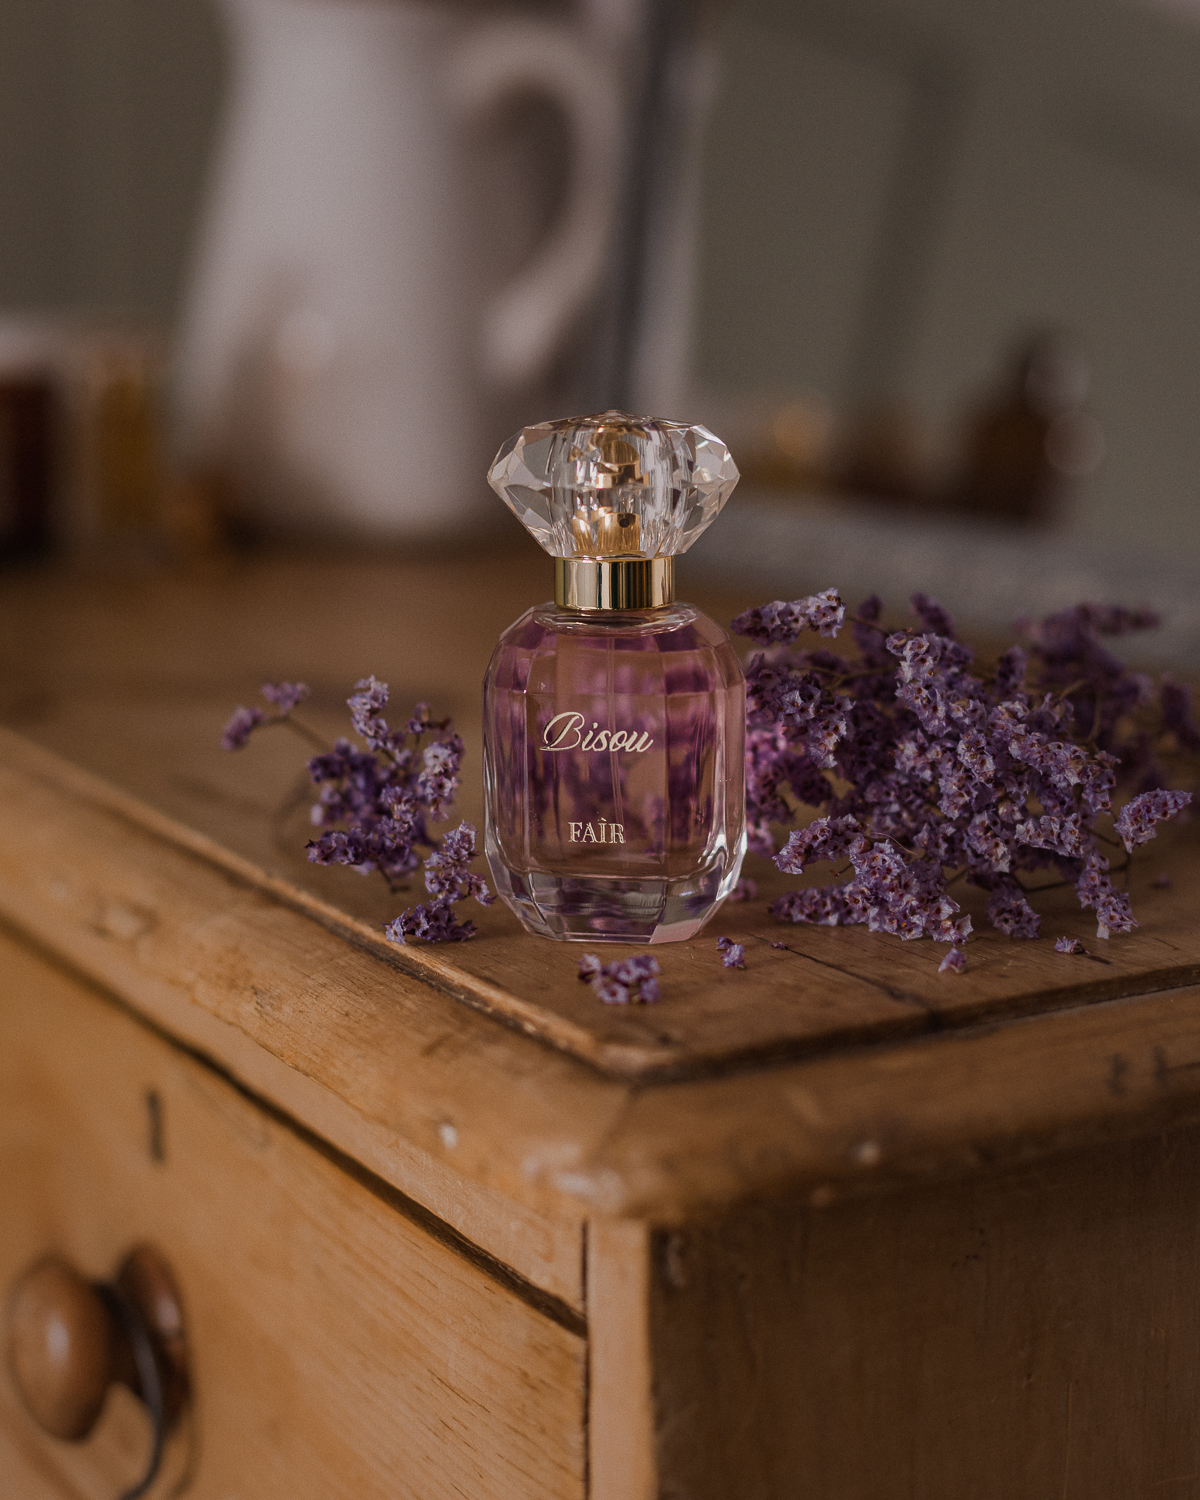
<point x="568" y="731"/>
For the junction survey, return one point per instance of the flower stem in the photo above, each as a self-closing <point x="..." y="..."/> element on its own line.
<point x="295" y="725"/>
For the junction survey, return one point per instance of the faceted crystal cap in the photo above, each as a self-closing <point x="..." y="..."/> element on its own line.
<point x="614" y="485"/>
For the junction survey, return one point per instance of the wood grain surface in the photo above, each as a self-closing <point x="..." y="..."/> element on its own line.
<point x="833" y="1225"/>
<point x="26" y="1472"/>
<point x="622" y="1457"/>
<point x="134" y="679"/>
<point x="1029" y="1335"/>
<point x="837" y="1063"/>
<point x="463" y="1115"/>
<point x="513" y="1143"/>
<point x="338" y="1349"/>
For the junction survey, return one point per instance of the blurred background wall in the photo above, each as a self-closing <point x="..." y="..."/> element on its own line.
<point x="107" y="112"/>
<point x="894" y="192"/>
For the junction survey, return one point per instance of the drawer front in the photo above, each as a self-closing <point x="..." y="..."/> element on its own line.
<point x="25" y="1472"/>
<point x="337" y="1348"/>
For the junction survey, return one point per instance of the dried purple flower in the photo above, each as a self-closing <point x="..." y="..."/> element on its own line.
<point x="783" y="621"/>
<point x="923" y="769"/>
<point x="373" y="804"/>
<point x="446" y="874"/>
<point x="625" y="981"/>
<point x="735" y="953"/>
<point x="1010" y="673"/>
<point x="1068" y="945"/>
<point x="286" y="695"/>
<point x="1010" y="913"/>
<point x="240" y="727"/>
<point x="448" y="880"/>
<point x="432" y="922"/>
<point x="1096" y="890"/>
<point x="438" y="780"/>
<point x="423" y="722"/>
<point x="1138" y="820"/>
<point x="824" y="838"/>
<point x="610" y="992"/>
<point x="955" y="962"/>
<point x="932" y="615"/>
<point x="385" y="794"/>
<point x="369" y="697"/>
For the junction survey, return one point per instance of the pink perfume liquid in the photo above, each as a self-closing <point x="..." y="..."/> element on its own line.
<point x="615" y="780"/>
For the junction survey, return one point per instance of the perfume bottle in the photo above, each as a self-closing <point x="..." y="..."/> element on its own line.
<point x="614" y="718"/>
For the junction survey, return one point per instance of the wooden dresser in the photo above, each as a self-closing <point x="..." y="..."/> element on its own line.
<point x="836" y="1226"/>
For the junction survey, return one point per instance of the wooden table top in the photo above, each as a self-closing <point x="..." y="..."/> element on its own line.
<point x="131" y="678"/>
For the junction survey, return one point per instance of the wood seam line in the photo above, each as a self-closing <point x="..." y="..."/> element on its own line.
<point x="621" y="1409"/>
<point x="546" y="1303"/>
<point x="584" y="1244"/>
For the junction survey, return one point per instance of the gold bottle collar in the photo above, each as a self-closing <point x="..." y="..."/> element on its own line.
<point x="614" y="582"/>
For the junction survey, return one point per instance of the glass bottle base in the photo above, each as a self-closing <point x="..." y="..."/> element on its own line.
<point x="600" y="909"/>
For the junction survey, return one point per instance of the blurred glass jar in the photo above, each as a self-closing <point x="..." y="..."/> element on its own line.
<point x="30" y="426"/>
<point x="82" y="452"/>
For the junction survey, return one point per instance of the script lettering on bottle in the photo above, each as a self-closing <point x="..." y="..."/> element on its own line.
<point x="566" y="731"/>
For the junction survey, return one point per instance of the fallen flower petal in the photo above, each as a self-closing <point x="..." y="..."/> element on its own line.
<point x="611" y="992"/>
<point x="735" y="953"/>
<point x="625" y="981"/>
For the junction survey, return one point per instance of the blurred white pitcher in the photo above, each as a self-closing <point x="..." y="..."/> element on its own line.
<point x="348" y="359"/>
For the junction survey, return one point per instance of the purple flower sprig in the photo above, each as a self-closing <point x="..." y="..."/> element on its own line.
<point x="926" y="770"/>
<point x="244" y="721"/>
<point x="448" y="880"/>
<point x="375" y="804"/>
<point x="784" y="621"/>
<point x="626" y="981"/>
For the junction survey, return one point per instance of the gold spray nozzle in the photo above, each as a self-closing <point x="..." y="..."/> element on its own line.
<point x="618" y="533"/>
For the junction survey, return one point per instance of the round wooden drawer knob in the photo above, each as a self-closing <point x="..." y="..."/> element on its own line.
<point x="69" y="1339"/>
<point x="62" y="1348"/>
